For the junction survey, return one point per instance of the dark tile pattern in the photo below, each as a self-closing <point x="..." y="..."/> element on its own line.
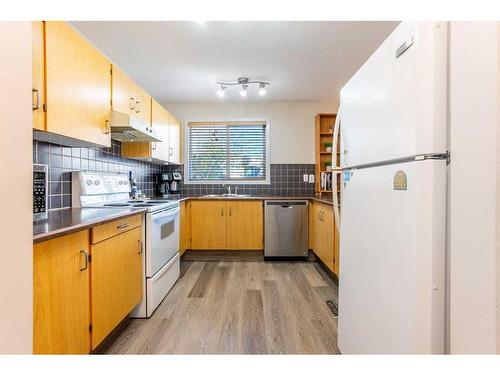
<point x="63" y="160"/>
<point x="286" y="180"/>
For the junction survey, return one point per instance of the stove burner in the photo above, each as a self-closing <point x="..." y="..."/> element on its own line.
<point x="143" y="205"/>
<point x="136" y="201"/>
<point x="117" y="205"/>
<point x="165" y="201"/>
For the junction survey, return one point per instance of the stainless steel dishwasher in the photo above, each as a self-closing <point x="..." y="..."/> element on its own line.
<point x="286" y="228"/>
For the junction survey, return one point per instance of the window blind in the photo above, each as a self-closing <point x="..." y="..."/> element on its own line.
<point x="227" y="151"/>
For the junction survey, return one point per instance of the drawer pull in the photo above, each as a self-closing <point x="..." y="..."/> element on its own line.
<point x="122" y="226"/>
<point x="140" y="246"/>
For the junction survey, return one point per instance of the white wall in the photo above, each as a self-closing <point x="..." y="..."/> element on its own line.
<point x="16" y="219"/>
<point x="473" y="186"/>
<point x="292" y="124"/>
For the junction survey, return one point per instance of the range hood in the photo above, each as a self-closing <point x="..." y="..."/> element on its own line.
<point x="125" y="128"/>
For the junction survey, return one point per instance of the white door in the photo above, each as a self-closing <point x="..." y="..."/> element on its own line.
<point x="391" y="286"/>
<point x="395" y="107"/>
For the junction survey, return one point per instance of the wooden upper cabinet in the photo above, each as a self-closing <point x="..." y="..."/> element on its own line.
<point x="175" y="141"/>
<point x="123" y="92"/>
<point x="245" y="225"/>
<point x="78" y="93"/>
<point x="129" y="98"/>
<point x="160" y="121"/>
<point x="156" y="151"/>
<point x="208" y="224"/>
<point x="38" y="76"/>
<point x="143" y="106"/>
<point x="61" y="295"/>
<point x="116" y="281"/>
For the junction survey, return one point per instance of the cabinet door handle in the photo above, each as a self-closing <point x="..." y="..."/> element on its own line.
<point x="138" y="107"/>
<point x="35" y="99"/>
<point x="140" y="247"/>
<point x="122" y="226"/>
<point x="222" y="211"/>
<point x="153" y="146"/>
<point x="107" y="128"/>
<point x="230" y="211"/>
<point x="86" y="258"/>
<point x="132" y="103"/>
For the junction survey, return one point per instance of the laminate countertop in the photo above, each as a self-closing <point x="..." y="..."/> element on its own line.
<point x="326" y="200"/>
<point x="68" y="220"/>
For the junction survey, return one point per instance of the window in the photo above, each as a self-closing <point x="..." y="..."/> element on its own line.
<point x="227" y="152"/>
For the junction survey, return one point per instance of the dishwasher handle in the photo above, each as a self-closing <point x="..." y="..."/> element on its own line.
<point x="286" y="204"/>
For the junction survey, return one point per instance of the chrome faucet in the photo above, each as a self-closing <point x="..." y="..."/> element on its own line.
<point x="228" y="188"/>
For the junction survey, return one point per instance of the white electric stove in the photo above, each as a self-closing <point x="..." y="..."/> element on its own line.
<point x="161" y="234"/>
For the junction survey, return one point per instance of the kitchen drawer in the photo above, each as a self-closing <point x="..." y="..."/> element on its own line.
<point x="104" y="231"/>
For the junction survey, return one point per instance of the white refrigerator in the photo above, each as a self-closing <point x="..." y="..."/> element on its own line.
<point x="393" y="121"/>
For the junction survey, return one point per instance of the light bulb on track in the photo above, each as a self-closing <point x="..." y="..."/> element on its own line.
<point x="222" y="91"/>
<point x="243" y="91"/>
<point x="262" y="89"/>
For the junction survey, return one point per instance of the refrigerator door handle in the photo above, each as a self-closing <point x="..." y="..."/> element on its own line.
<point x="336" y="170"/>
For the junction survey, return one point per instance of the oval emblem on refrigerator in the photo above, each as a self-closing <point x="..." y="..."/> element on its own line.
<point x="400" y="181"/>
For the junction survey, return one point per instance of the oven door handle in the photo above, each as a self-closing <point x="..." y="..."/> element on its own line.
<point x="164" y="214"/>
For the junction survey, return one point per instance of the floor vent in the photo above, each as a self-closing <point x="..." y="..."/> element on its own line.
<point x="332" y="305"/>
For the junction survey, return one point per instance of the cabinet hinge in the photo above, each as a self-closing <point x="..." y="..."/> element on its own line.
<point x="90" y="328"/>
<point x="90" y="258"/>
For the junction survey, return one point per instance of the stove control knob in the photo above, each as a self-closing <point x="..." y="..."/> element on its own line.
<point x="125" y="182"/>
<point x="89" y="182"/>
<point x="97" y="182"/>
<point x="120" y="182"/>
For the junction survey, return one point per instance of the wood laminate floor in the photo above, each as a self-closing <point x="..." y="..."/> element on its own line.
<point x="239" y="307"/>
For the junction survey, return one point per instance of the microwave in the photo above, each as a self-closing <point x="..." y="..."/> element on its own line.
<point x="40" y="191"/>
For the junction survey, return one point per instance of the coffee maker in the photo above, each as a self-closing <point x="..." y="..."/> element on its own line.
<point x="168" y="183"/>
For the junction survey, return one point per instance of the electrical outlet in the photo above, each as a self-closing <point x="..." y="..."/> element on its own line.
<point x="311" y="179"/>
<point x="305" y="178"/>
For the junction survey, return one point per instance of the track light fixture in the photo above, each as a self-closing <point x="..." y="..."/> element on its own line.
<point x="243" y="82"/>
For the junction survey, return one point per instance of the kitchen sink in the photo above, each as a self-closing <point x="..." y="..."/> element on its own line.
<point x="226" y="196"/>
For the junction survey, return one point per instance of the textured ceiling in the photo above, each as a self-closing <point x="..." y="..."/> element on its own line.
<point x="180" y="62"/>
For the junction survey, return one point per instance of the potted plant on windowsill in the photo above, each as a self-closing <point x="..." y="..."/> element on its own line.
<point x="328" y="165"/>
<point x="328" y="146"/>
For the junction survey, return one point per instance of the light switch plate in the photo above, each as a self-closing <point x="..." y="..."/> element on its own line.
<point x="305" y="178"/>
<point x="311" y="179"/>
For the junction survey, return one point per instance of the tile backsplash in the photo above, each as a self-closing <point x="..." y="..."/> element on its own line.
<point x="62" y="160"/>
<point x="286" y="179"/>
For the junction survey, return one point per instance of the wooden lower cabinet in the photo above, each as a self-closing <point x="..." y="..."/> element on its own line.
<point x="245" y="225"/>
<point x="116" y="281"/>
<point x="226" y="225"/>
<point x="61" y="295"/>
<point x="322" y="232"/>
<point x="84" y="286"/>
<point x="208" y="225"/>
